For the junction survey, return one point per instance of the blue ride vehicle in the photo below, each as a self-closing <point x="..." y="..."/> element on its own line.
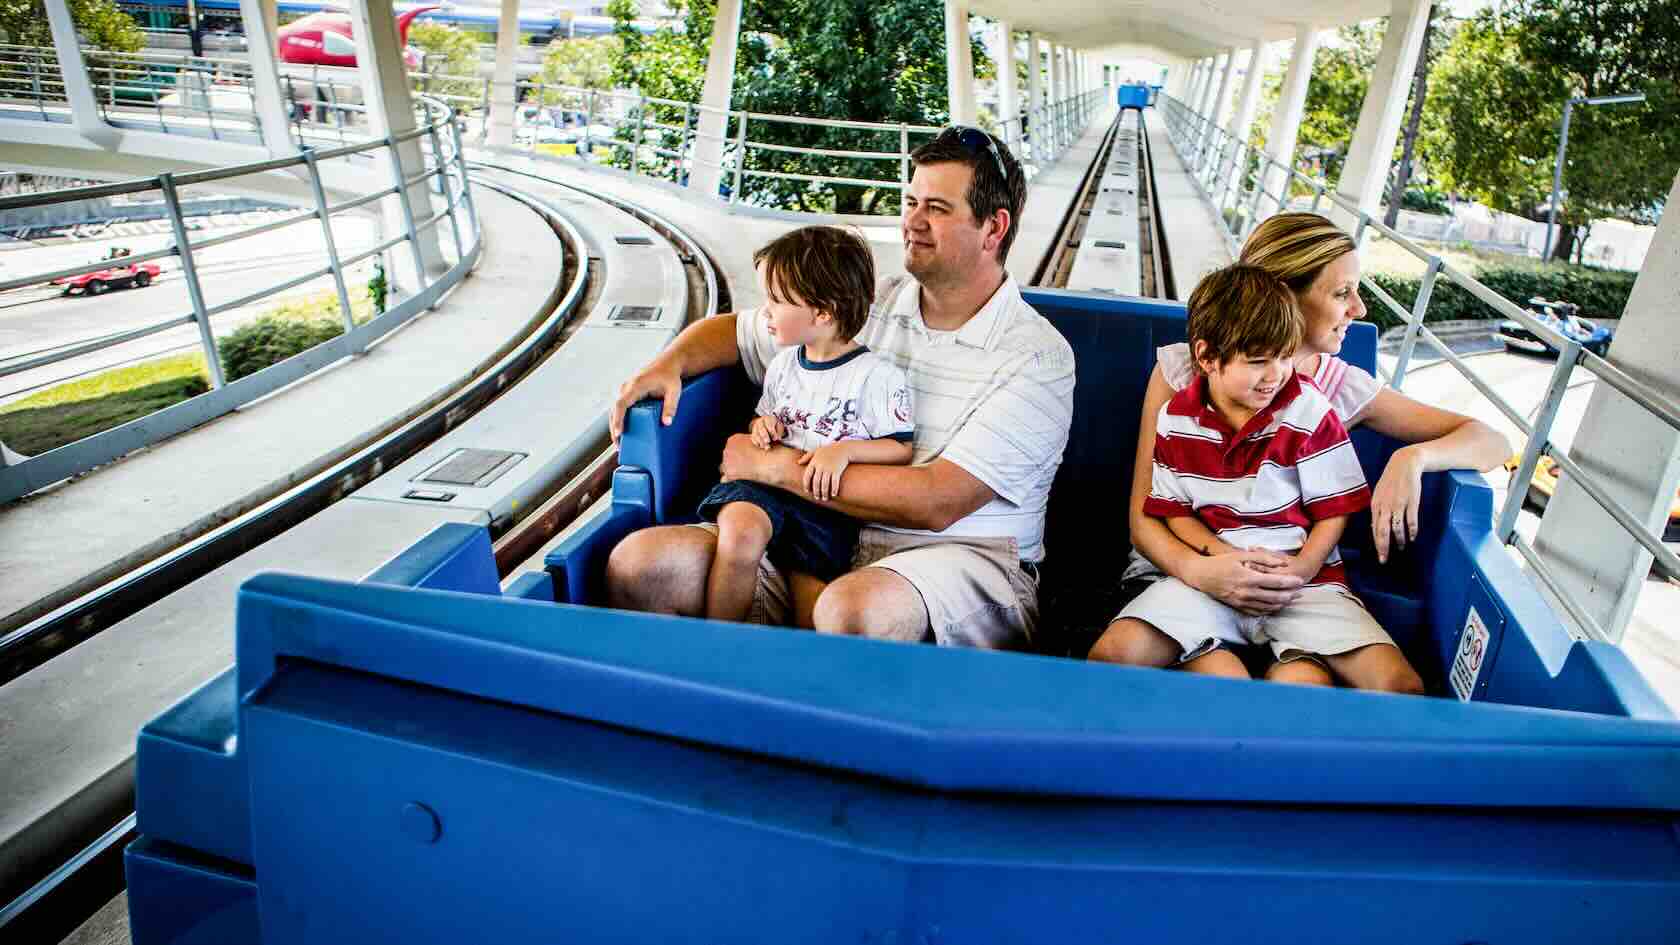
<point x="1562" y="317"/>
<point x="427" y="756"/>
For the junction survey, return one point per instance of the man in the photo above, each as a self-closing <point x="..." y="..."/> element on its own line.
<point x="952" y="553"/>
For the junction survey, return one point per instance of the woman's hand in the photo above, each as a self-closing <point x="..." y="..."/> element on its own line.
<point x="823" y="468"/>
<point x="1254" y="582"/>
<point x="1394" y="502"/>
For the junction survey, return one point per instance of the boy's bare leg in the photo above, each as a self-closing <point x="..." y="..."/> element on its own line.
<point x="1299" y="673"/>
<point x="1218" y="663"/>
<point x="1133" y="642"/>
<point x="805" y="589"/>
<point x="1379" y="666"/>
<point x="743" y="533"/>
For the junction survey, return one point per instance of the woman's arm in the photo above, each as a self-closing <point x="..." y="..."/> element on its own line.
<point x="1439" y="439"/>
<point x="1251" y="581"/>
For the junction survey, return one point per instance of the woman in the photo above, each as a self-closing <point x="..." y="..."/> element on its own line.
<point x="1320" y="264"/>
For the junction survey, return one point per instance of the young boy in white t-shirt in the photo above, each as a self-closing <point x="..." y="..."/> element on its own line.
<point x="824" y="394"/>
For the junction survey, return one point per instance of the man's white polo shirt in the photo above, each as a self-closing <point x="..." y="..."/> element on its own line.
<point x="995" y="397"/>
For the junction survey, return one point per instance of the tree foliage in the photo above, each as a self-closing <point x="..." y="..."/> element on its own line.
<point x="449" y="52"/>
<point x="585" y="63"/>
<point x="1499" y="103"/>
<point x="100" y="22"/>
<point x="860" y="60"/>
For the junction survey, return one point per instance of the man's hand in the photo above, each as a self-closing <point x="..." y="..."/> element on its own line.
<point x="655" y="380"/>
<point x="767" y="432"/>
<point x="1254" y="582"/>
<point x="823" y="468"/>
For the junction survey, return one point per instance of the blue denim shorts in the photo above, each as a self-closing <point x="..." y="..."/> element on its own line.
<point x="804" y="536"/>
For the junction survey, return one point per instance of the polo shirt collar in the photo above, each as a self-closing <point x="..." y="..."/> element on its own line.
<point x="981" y="331"/>
<point x="1193" y="401"/>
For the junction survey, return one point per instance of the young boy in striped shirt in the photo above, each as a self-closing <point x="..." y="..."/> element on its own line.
<point x="1250" y="455"/>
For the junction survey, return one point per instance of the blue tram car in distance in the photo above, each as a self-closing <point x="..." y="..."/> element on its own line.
<point x="429" y="756"/>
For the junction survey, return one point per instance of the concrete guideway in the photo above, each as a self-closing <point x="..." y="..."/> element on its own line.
<point x="64" y="541"/>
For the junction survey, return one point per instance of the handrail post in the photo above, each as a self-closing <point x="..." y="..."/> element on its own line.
<point x="321" y="211"/>
<point x="1253" y="216"/>
<point x="466" y="188"/>
<point x="35" y="76"/>
<point x="195" y="292"/>
<point x="588" y="123"/>
<point x="443" y="188"/>
<point x="1419" y="307"/>
<point x="484" y="127"/>
<point x="1539" y="441"/>
<point x="685" y="147"/>
<point x="408" y="214"/>
<point x="1359" y="231"/>
<point x="636" y="143"/>
<point x="740" y="158"/>
<point x="903" y="161"/>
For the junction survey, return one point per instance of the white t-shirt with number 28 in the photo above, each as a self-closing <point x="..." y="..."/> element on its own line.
<point x="857" y="396"/>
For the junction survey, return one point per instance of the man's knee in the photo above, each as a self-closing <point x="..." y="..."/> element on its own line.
<point x="1401" y="678"/>
<point x="873" y="602"/>
<point x="662" y="570"/>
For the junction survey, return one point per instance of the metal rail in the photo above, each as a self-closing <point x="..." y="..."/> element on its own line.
<point x="621" y="122"/>
<point x="437" y="134"/>
<point x="1236" y="188"/>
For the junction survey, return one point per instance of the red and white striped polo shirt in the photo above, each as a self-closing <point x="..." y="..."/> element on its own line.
<point x="1261" y="487"/>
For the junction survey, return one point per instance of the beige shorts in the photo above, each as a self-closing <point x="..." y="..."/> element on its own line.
<point x="1325" y="620"/>
<point x="975" y="590"/>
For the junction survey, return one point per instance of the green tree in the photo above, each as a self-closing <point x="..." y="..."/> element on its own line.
<point x="101" y="23"/>
<point x="451" y="62"/>
<point x="582" y="63"/>
<point x="1500" y="97"/>
<point x="815" y="59"/>
<point x="1340" y="76"/>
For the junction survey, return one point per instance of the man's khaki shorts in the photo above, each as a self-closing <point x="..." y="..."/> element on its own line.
<point x="975" y="589"/>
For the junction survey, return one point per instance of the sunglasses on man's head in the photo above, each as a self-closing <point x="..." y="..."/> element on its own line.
<point x="976" y="141"/>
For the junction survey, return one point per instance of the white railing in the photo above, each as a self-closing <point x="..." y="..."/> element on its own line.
<point x="1234" y="176"/>
<point x="445" y="174"/>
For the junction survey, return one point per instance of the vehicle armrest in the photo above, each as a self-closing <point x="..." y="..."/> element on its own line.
<point x="682" y="458"/>
<point x="578" y="565"/>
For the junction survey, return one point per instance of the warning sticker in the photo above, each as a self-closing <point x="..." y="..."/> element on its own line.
<point x="1472" y="650"/>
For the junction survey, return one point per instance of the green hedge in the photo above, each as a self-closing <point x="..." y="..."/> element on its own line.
<point x="270" y="340"/>
<point x="1601" y="293"/>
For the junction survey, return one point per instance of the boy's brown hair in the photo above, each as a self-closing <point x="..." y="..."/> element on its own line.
<point x="1243" y="310"/>
<point x="825" y="267"/>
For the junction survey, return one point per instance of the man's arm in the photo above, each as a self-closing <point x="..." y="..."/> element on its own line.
<point x="933" y="496"/>
<point x="707" y="344"/>
<point x="825" y="466"/>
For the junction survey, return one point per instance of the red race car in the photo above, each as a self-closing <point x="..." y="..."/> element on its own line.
<point x="121" y="275"/>
<point x="324" y="39"/>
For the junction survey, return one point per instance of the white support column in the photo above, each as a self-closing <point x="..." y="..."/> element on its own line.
<point x="1372" y="149"/>
<point x="715" y="98"/>
<point x="1058" y="91"/>
<point x="259" y="17"/>
<point x="1620" y="446"/>
<point x="78" y="88"/>
<point x="504" y="88"/>
<point x="390" y="111"/>
<point x="1292" y="101"/>
<point x="1037" y="123"/>
<point x="1250" y="103"/>
<point x="959" y="63"/>
<point x="1227" y="81"/>
<point x="1204" y="97"/>
<point x="1009" y="107"/>
<point x="1216" y="106"/>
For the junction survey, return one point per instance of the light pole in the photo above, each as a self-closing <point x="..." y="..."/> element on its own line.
<point x="1563" y="143"/>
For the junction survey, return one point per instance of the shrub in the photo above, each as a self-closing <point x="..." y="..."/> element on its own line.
<point x="1426" y="200"/>
<point x="1601" y="293"/>
<point x="270" y="340"/>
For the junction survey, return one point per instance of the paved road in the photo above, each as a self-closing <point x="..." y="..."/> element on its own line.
<point x="38" y="319"/>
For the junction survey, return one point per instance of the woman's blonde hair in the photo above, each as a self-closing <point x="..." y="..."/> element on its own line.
<point x="1295" y="247"/>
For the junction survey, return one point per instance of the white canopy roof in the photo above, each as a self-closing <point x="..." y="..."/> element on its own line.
<point x="1170" y="30"/>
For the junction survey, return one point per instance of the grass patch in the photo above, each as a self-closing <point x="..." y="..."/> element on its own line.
<point x="68" y="412"/>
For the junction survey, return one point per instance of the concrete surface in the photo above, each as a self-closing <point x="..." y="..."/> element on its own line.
<point x="1193" y="236"/>
<point x="66" y="540"/>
